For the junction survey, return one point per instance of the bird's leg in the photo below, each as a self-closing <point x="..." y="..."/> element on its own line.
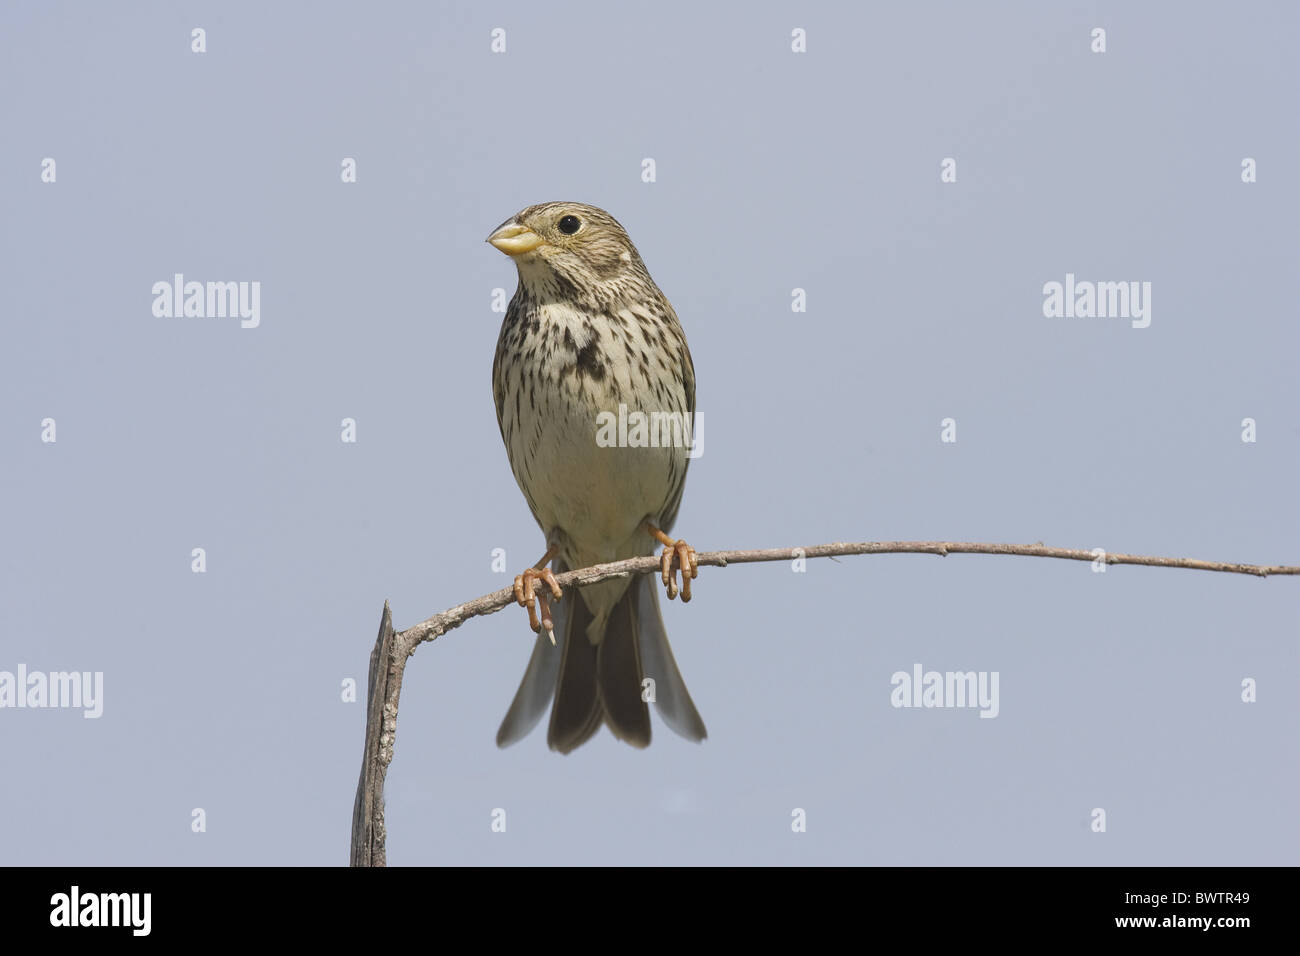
<point x="685" y="555"/>
<point x="526" y="593"/>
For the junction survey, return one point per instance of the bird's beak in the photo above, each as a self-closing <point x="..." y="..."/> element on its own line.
<point x="514" y="239"/>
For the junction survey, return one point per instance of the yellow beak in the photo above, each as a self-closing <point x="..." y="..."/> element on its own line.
<point x="514" y="239"/>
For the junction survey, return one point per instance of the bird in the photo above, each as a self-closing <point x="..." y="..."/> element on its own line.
<point x="589" y="339"/>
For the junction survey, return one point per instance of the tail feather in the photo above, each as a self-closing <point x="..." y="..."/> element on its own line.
<point x="602" y="683"/>
<point x="534" y="694"/>
<point x="577" y="712"/>
<point x="538" y="684"/>
<point x="618" y="672"/>
<point x="672" y="700"/>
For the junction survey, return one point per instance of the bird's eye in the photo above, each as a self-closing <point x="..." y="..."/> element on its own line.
<point x="570" y="224"/>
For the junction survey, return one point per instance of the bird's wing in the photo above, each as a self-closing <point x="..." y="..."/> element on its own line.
<point x="669" y="515"/>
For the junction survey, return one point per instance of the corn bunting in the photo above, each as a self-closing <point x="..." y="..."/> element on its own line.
<point x="590" y="345"/>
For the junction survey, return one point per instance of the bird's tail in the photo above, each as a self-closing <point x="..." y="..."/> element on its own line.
<point x="603" y="682"/>
<point x="672" y="700"/>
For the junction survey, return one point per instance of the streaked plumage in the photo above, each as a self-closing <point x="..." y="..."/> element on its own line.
<point x="586" y="331"/>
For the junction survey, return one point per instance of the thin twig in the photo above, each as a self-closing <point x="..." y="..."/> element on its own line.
<point x="368" y="835"/>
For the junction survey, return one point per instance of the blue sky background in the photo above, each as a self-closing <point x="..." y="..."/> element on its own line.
<point x="775" y="170"/>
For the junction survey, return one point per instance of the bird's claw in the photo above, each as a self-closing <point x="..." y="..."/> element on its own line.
<point x="527" y="594"/>
<point x="686" y="562"/>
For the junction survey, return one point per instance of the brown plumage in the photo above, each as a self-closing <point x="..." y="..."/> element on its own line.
<point x="588" y="331"/>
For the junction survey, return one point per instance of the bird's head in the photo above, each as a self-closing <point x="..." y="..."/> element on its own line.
<point x="563" y="246"/>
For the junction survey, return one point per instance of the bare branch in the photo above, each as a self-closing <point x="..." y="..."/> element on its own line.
<point x="368" y="809"/>
<point x="368" y="847"/>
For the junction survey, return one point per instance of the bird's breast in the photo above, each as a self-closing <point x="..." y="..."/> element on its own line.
<point x="595" y="420"/>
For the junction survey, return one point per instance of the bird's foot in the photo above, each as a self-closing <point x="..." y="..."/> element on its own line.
<point x="527" y="593"/>
<point x="685" y="561"/>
